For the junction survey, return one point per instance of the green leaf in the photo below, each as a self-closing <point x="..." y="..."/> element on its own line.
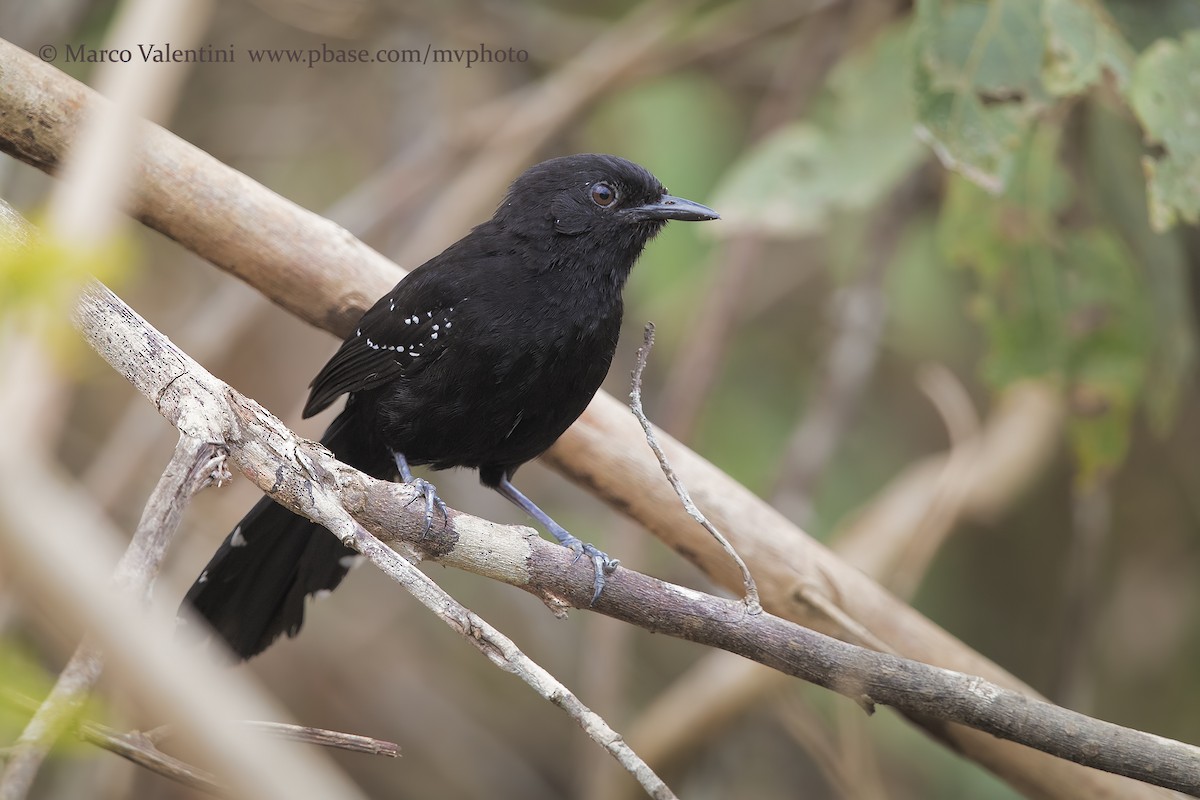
<point x="925" y="315"/>
<point x="1166" y="96"/>
<point x="1107" y="317"/>
<point x="1117" y="192"/>
<point x="1143" y="23"/>
<point x="1082" y="45"/>
<point x="978" y="82"/>
<point x="844" y="160"/>
<point x="1062" y="302"/>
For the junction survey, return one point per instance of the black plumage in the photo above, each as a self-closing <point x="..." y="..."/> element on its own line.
<point x="479" y="358"/>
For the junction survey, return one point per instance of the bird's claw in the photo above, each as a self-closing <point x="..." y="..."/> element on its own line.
<point x="603" y="564"/>
<point x="428" y="491"/>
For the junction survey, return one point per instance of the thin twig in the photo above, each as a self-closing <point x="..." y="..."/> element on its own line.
<point x="321" y="737"/>
<point x="138" y="749"/>
<point x="142" y="747"/>
<point x="497" y="647"/>
<point x="635" y="402"/>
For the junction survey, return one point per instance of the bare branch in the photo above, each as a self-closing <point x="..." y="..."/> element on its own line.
<point x="321" y="737"/>
<point x="353" y="742"/>
<point x="750" y="590"/>
<point x="135" y="747"/>
<point x="141" y="747"/>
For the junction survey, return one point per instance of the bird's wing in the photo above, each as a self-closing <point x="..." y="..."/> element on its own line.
<point x="400" y="335"/>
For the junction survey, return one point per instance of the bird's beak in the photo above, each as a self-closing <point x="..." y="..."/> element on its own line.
<point x="671" y="207"/>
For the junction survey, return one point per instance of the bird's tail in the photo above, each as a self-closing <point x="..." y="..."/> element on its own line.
<point x="255" y="586"/>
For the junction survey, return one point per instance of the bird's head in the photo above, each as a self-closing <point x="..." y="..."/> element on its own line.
<point x="600" y="198"/>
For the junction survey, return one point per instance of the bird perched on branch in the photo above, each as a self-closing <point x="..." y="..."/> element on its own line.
<point x="480" y="358"/>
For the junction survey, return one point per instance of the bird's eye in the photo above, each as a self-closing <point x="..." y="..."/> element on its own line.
<point x="603" y="194"/>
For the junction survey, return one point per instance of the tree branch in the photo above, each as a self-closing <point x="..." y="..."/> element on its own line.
<point x="141" y="748"/>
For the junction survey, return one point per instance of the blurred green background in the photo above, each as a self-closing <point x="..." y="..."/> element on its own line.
<point x="929" y="209"/>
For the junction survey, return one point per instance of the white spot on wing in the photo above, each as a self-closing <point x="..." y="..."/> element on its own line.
<point x="351" y="561"/>
<point x="203" y="577"/>
<point x="237" y="540"/>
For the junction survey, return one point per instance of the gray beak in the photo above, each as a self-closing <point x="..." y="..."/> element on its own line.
<point x="671" y="207"/>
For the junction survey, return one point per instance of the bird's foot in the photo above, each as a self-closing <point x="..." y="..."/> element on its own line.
<point x="603" y="564"/>
<point x="426" y="490"/>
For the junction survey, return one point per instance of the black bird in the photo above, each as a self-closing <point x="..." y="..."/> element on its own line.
<point x="480" y="358"/>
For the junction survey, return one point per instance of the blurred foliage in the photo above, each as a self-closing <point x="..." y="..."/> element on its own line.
<point x="1063" y="288"/>
<point x="24" y="679"/>
<point x="1054" y="301"/>
<point x="633" y="124"/>
<point x="855" y="148"/>
<point x="1166" y="96"/>
<point x="39" y="274"/>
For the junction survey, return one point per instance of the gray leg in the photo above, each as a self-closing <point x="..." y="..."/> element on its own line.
<point x="600" y="561"/>
<point x="426" y="490"/>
